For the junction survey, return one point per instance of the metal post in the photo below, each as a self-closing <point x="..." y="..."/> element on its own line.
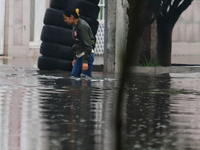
<point x="116" y="24"/>
<point x="121" y="33"/>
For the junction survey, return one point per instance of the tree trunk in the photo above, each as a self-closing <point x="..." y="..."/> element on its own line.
<point x="134" y="41"/>
<point x="135" y="56"/>
<point x="164" y="45"/>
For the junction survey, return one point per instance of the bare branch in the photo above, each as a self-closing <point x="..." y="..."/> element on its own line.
<point x="178" y="11"/>
<point x="160" y="7"/>
<point x="173" y="8"/>
<point x="184" y="5"/>
<point x="165" y="7"/>
<point x="176" y="3"/>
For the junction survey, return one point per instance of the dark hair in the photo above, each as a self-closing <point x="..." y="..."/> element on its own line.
<point x="71" y="11"/>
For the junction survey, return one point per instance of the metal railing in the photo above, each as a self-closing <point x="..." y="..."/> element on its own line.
<point x="99" y="49"/>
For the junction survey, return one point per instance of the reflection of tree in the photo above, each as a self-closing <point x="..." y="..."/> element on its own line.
<point x="147" y="114"/>
<point x="69" y="113"/>
<point x="108" y="128"/>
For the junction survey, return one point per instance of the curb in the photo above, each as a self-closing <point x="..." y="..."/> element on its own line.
<point x="156" y="70"/>
<point x="162" y="70"/>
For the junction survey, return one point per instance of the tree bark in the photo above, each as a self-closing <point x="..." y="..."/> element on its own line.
<point x="165" y="24"/>
<point x="164" y="44"/>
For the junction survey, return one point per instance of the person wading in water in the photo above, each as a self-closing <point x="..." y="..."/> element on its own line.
<point x="84" y="43"/>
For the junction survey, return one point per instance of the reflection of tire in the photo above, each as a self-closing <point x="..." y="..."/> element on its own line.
<point x="87" y="9"/>
<point x="58" y="4"/>
<point x="93" y="24"/>
<point x="55" y="17"/>
<point x="57" y="35"/>
<point x="56" y="51"/>
<point x="48" y="63"/>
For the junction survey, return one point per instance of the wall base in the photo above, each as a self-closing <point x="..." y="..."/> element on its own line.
<point x="22" y="51"/>
<point x="182" y="48"/>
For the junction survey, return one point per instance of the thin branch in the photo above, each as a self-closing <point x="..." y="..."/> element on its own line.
<point x="158" y="10"/>
<point x="150" y="12"/>
<point x="176" y="3"/>
<point x="165" y="7"/>
<point x="184" y="5"/>
<point x="173" y="8"/>
<point x="155" y="11"/>
<point x="181" y="8"/>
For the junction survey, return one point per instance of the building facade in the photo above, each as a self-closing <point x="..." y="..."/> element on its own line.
<point x="186" y="33"/>
<point x="21" y="23"/>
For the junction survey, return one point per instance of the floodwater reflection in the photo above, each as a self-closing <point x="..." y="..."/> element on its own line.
<point x="73" y="110"/>
<point x="49" y="111"/>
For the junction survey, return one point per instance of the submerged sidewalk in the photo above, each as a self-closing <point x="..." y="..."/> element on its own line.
<point x="47" y="110"/>
<point x="161" y="70"/>
<point x="98" y="66"/>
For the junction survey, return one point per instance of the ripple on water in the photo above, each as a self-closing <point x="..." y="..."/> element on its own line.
<point x="50" y="110"/>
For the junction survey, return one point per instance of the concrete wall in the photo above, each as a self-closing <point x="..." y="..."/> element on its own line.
<point x="24" y="22"/>
<point x="110" y="32"/>
<point x="121" y="32"/>
<point x="20" y="34"/>
<point x="17" y="28"/>
<point x="36" y="19"/>
<point x="2" y="19"/>
<point x="186" y="33"/>
<point x="116" y="25"/>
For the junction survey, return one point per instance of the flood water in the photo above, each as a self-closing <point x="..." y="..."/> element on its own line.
<point x="43" y="110"/>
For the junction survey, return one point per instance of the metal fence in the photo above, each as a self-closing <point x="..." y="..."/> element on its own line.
<point x="99" y="49"/>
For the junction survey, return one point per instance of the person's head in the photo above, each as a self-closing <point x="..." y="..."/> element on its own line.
<point x="71" y="15"/>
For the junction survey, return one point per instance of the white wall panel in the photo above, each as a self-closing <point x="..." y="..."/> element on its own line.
<point x="37" y="20"/>
<point x="186" y="33"/>
<point x="2" y="19"/>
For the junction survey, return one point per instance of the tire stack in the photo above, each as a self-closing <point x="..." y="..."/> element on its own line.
<point x="56" y="36"/>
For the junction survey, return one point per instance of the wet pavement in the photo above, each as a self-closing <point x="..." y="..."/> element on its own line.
<point x="45" y="110"/>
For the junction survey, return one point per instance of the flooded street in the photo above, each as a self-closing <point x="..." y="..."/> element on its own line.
<point x="45" y="110"/>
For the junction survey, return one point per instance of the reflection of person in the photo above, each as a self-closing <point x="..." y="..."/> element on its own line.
<point x="84" y="43"/>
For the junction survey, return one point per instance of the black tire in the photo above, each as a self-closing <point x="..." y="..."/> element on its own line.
<point x="57" y="35"/>
<point x="62" y="4"/>
<point x="55" y="17"/>
<point x="93" y="24"/>
<point x="96" y="2"/>
<point x="48" y="63"/>
<point x="59" y="4"/>
<point x="56" y="51"/>
<point x="87" y="9"/>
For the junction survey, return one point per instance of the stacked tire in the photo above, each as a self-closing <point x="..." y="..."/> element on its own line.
<point x="56" y="36"/>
